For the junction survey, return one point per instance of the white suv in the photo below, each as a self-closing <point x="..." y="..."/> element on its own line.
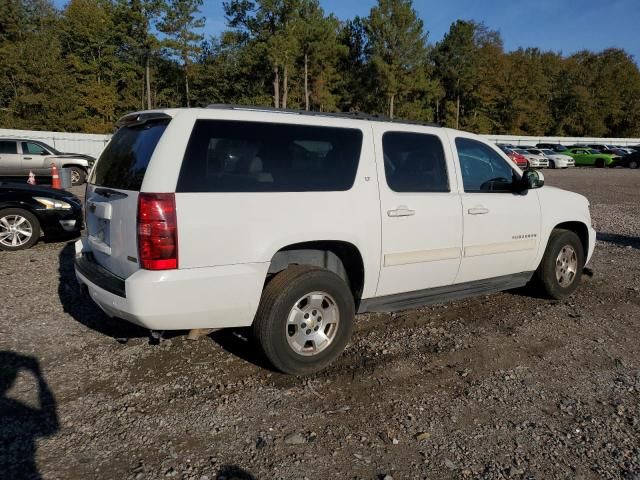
<point x="291" y="223"/>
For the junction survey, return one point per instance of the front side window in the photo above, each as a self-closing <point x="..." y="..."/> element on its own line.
<point x="33" y="149"/>
<point x="483" y="170"/>
<point x="238" y="156"/>
<point x="414" y="162"/>
<point x="8" y="147"/>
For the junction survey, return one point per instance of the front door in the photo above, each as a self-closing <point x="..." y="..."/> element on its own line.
<point x="35" y="158"/>
<point x="420" y="210"/>
<point x="9" y="158"/>
<point x="501" y="227"/>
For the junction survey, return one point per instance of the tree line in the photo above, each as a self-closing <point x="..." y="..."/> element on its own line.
<point x="80" y="67"/>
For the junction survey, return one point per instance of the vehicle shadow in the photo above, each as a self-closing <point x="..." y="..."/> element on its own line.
<point x="232" y="472"/>
<point x="238" y="342"/>
<point x="82" y="309"/>
<point x="21" y="425"/>
<point x="620" y="240"/>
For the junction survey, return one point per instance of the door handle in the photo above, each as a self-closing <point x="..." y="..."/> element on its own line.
<point x="28" y="158"/>
<point x="401" y="212"/>
<point x="478" y="211"/>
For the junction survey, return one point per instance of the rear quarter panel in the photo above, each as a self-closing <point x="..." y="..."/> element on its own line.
<point x="216" y="229"/>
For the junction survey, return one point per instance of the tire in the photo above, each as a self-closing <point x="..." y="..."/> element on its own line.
<point x="633" y="164"/>
<point x="11" y="239"/>
<point x="563" y="244"/>
<point x="600" y="163"/>
<point x="277" y="327"/>
<point x="552" y="164"/>
<point x="78" y="175"/>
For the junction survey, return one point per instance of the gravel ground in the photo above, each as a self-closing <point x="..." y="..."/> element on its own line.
<point x="502" y="386"/>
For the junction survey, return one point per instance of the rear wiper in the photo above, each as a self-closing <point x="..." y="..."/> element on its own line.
<point x="108" y="193"/>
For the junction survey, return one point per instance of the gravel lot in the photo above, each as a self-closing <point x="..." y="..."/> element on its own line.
<point x="505" y="386"/>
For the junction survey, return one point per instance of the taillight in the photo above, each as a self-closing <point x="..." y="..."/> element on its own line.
<point x="157" y="231"/>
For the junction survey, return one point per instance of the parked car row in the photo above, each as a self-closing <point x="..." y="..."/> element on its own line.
<point x="554" y="155"/>
<point x="20" y="156"/>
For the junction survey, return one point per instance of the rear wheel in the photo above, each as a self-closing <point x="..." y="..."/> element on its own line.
<point x="633" y="163"/>
<point x="19" y="229"/>
<point x="600" y="163"/>
<point x="305" y="319"/>
<point x="560" y="271"/>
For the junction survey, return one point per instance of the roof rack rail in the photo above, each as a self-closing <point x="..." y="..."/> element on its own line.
<point x="346" y="115"/>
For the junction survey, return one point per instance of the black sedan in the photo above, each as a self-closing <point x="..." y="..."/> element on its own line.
<point x="28" y="211"/>
<point x="630" y="161"/>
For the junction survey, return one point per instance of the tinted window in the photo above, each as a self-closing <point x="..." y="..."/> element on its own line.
<point x="8" y="147"/>
<point x="33" y="149"/>
<point x="414" y="162"/>
<point x="483" y="169"/>
<point x="230" y="156"/>
<point x="124" y="161"/>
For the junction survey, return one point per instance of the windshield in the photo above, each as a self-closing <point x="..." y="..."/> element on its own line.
<point x="50" y="148"/>
<point x="547" y="152"/>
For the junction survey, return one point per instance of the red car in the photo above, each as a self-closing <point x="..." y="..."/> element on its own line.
<point x="518" y="158"/>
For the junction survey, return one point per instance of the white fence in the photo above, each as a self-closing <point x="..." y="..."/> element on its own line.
<point x="92" y="144"/>
<point x="87" y="143"/>
<point x="524" y="140"/>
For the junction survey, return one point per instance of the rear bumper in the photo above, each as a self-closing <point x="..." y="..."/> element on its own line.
<point x="212" y="297"/>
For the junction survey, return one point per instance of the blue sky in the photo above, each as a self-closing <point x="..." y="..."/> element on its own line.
<point x="559" y="25"/>
<point x="563" y="26"/>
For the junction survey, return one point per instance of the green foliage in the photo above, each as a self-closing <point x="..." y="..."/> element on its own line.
<point x="81" y="67"/>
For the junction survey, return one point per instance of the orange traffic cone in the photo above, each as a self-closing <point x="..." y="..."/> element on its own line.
<point x="55" y="179"/>
<point x="32" y="178"/>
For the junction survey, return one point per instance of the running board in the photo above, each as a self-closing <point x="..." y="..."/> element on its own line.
<point x="448" y="293"/>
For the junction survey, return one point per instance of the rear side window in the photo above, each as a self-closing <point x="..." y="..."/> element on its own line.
<point x="8" y="147"/>
<point x="414" y="162"/>
<point x="124" y="161"/>
<point x="235" y="156"/>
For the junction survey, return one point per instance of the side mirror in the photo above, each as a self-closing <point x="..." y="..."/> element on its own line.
<point x="531" y="179"/>
<point x="44" y="152"/>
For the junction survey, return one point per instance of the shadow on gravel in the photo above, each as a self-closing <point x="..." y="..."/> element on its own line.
<point x="80" y="306"/>
<point x="231" y="472"/>
<point x="21" y="425"/>
<point x="620" y="240"/>
<point x="238" y="343"/>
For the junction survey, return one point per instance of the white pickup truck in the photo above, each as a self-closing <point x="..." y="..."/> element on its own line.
<point x="292" y="222"/>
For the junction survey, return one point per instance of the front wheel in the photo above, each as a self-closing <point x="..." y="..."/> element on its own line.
<point x="305" y="319"/>
<point x="600" y="163"/>
<point x="633" y="164"/>
<point x="552" y="164"/>
<point x="560" y="271"/>
<point x="78" y="176"/>
<point x="19" y="229"/>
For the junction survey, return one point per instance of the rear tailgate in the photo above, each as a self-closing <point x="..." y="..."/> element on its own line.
<point x="112" y="193"/>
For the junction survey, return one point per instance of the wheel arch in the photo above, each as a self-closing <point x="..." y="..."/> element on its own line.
<point x="341" y="257"/>
<point x="580" y="229"/>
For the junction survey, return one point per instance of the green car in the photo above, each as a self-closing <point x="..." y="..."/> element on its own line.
<point x="588" y="156"/>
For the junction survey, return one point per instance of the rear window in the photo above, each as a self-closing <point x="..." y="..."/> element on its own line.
<point x="124" y="161"/>
<point x="8" y="147"/>
<point x="236" y="156"/>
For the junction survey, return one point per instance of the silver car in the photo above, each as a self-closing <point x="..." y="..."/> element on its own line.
<point x="19" y="156"/>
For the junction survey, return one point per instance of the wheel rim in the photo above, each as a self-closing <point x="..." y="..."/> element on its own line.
<point x="566" y="266"/>
<point x="312" y="324"/>
<point x="75" y="176"/>
<point x="15" y="230"/>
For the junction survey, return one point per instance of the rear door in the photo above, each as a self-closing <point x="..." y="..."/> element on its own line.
<point x="420" y="210"/>
<point x="9" y="158"/>
<point x="112" y="195"/>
